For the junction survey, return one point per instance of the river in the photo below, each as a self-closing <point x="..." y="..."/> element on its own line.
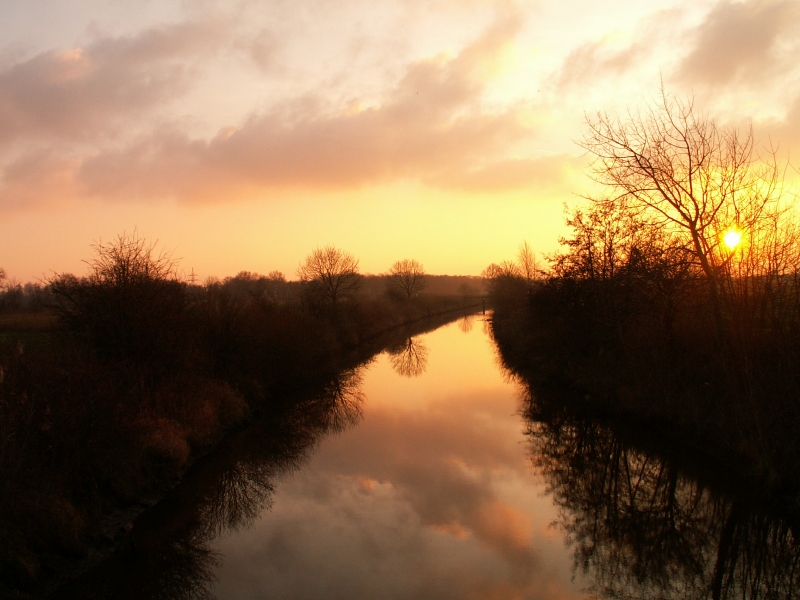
<point x="424" y="474"/>
<point x="430" y="494"/>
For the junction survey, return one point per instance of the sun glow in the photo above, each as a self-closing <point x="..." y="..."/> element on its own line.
<point x="732" y="238"/>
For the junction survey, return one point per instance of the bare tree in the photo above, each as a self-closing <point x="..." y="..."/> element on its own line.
<point x="130" y="306"/>
<point x="527" y="262"/>
<point x="130" y="259"/>
<point x="467" y="292"/>
<point x="329" y="274"/>
<point x="407" y="277"/>
<point x="678" y="168"/>
<point x="507" y="268"/>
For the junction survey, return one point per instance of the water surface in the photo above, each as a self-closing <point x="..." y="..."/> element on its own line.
<point x="428" y="491"/>
<point x="428" y="473"/>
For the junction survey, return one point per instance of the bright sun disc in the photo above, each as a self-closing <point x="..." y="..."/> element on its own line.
<point x="732" y="238"/>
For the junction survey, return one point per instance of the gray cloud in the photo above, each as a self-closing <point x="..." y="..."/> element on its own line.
<point x="36" y="175"/>
<point x="593" y="61"/>
<point x="742" y="42"/>
<point x="78" y="93"/>
<point x="784" y="133"/>
<point x="431" y="126"/>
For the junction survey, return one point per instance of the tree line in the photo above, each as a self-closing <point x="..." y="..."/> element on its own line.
<point x="131" y="372"/>
<point x="675" y="297"/>
<point x="327" y="275"/>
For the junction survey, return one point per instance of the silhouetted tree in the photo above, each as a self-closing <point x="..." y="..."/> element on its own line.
<point x="407" y="278"/>
<point x="678" y="168"/>
<point x="329" y="275"/>
<point x="527" y="263"/>
<point x="131" y="304"/>
<point x="505" y="283"/>
<point x="128" y="260"/>
<point x="467" y="292"/>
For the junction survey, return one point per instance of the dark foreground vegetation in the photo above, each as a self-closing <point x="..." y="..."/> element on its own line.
<point x="168" y="552"/>
<point x="114" y="383"/>
<point x="675" y="303"/>
<point x="648" y="518"/>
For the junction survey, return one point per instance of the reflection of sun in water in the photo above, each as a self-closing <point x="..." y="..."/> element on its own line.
<point x="732" y="238"/>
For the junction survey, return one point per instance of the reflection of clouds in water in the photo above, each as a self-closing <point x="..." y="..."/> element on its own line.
<point x="410" y="358"/>
<point x="357" y="541"/>
<point x="402" y="507"/>
<point x="172" y="558"/>
<point x="244" y="490"/>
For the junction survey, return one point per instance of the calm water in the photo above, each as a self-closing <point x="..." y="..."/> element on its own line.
<point x="427" y="473"/>
<point x="431" y="494"/>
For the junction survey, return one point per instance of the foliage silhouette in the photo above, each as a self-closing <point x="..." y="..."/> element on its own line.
<point x="329" y="276"/>
<point x="406" y="279"/>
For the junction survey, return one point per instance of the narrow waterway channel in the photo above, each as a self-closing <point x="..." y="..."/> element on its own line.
<point x="430" y="472"/>
<point x="429" y="495"/>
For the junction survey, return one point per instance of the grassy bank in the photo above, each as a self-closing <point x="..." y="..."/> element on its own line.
<point x="107" y="397"/>
<point x="169" y="546"/>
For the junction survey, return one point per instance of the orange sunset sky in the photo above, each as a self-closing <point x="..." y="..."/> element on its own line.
<point x="242" y="134"/>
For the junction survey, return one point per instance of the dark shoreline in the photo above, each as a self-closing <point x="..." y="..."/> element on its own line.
<point x="552" y="389"/>
<point x="122" y="524"/>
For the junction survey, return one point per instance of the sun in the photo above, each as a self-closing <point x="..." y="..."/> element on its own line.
<point x="732" y="238"/>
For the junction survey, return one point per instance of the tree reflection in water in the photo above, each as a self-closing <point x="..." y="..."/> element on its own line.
<point x="466" y="323"/>
<point x="167" y="555"/>
<point x="642" y="529"/>
<point x="410" y="358"/>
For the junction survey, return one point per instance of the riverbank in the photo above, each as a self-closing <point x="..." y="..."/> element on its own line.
<point x="684" y="389"/>
<point x="649" y="517"/>
<point x="168" y="546"/>
<point x="92" y="434"/>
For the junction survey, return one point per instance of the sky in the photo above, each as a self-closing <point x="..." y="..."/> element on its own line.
<point x="242" y="134"/>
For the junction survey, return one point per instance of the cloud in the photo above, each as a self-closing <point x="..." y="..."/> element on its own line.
<point x="784" y="133"/>
<point x="43" y="173"/>
<point x="608" y="60"/>
<point x="79" y="93"/>
<point x="742" y="42"/>
<point x="595" y="60"/>
<point x="543" y="172"/>
<point x="431" y="123"/>
<point x="86" y="106"/>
